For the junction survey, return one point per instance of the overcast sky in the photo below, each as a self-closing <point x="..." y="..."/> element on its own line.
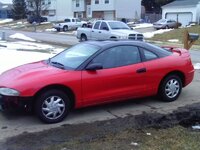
<point x="6" y="1"/>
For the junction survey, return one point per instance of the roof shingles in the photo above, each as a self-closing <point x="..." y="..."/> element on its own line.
<point x="182" y="3"/>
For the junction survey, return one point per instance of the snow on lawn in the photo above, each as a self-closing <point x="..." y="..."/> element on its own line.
<point x="50" y="30"/>
<point x="142" y="25"/>
<point x="26" y="46"/>
<point x="151" y="34"/>
<point x="5" y="21"/>
<point x="21" y="37"/>
<point x="173" y="40"/>
<point x="10" y="57"/>
<point x="197" y="66"/>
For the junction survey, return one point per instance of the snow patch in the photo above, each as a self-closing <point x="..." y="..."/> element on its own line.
<point x="151" y="34"/>
<point x="21" y="37"/>
<point x="50" y="30"/>
<point x="11" y="57"/>
<point x="5" y="21"/>
<point x="142" y="25"/>
<point x="5" y="6"/>
<point x="197" y="66"/>
<point x="173" y="40"/>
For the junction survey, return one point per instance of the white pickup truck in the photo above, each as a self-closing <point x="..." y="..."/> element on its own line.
<point x="108" y="30"/>
<point x="69" y="24"/>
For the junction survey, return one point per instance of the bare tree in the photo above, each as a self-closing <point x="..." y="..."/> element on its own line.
<point x="37" y="6"/>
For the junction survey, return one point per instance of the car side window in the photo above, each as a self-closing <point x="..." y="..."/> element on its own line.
<point x="97" y="24"/>
<point x="149" y="55"/>
<point x="67" y="20"/>
<point x="118" y="57"/>
<point x="73" y="20"/>
<point x="104" y="26"/>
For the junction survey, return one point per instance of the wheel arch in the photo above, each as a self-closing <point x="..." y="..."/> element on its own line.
<point x="175" y="72"/>
<point x="63" y="88"/>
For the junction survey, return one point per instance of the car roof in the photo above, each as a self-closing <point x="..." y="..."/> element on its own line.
<point x="116" y="42"/>
<point x="141" y="44"/>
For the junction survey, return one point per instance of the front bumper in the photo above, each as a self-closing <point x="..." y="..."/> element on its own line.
<point x="10" y="102"/>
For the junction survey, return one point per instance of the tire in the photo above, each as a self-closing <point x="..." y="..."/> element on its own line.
<point x="56" y="111"/>
<point x="83" y="38"/>
<point x="65" y="28"/>
<point x="167" y="27"/>
<point x="170" y="88"/>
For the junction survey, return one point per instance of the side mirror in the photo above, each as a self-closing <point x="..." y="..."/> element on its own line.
<point x="95" y="66"/>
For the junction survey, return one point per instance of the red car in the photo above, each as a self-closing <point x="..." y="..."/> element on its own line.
<point x="93" y="73"/>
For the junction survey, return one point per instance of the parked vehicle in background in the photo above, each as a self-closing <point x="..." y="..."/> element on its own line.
<point x="108" y="30"/>
<point x="37" y="19"/>
<point x="70" y="24"/>
<point x="165" y="24"/>
<point x="73" y="79"/>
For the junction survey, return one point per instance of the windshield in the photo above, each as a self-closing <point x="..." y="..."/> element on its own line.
<point x="118" y="25"/>
<point x="73" y="57"/>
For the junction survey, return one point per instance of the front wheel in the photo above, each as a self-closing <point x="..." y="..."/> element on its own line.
<point x="65" y="28"/>
<point x="52" y="106"/>
<point x="170" y="88"/>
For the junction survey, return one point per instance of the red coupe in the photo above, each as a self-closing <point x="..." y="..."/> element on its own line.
<point x="93" y="73"/>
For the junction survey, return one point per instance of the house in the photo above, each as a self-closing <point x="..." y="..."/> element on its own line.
<point x="54" y="10"/>
<point x="184" y="11"/>
<point x="5" y="10"/>
<point x="107" y="9"/>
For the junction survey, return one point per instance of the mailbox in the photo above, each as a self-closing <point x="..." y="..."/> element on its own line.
<point x="193" y="36"/>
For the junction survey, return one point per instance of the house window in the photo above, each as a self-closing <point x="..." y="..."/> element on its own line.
<point x="77" y="3"/>
<point x="96" y="1"/>
<point x="49" y="2"/>
<point x="43" y="2"/>
<point x="106" y="1"/>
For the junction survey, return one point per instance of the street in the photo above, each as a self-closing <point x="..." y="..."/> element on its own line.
<point x="55" y="38"/>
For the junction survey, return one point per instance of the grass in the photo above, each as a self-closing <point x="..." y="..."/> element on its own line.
<point x="176" y="34"/>
<point x="176" y="138"/>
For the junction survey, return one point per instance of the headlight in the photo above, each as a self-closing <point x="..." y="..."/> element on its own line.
<point x="9" y="92"/>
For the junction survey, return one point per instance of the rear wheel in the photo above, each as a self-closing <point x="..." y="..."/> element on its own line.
<point x="170" y="88"/>
<point x="167" y="27"/>
<point x="83" y="38"/>
<point x="65" y="28"/>
<point x="52" y="106"/>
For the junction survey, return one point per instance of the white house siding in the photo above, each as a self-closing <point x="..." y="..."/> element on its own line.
<point x="130" y="9"/>
<point x="102" y="6"/>
<point x="81" y="7"/>
<point x="186" y="14"/>
<point x="63" y="9"/>
<point x="198" y="13"/>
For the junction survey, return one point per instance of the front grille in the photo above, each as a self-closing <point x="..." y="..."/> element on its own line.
<point x="138" y="37"/>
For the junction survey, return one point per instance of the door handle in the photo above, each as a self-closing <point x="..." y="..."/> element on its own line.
<point x="92" y="31"/>
<point x="142" y="70"/>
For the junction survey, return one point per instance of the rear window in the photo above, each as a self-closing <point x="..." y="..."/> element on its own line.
<point x="160" y="49"/>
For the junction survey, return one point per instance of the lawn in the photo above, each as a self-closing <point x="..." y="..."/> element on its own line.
<point x="176" y="138"/>
<point x="176" y="34"/>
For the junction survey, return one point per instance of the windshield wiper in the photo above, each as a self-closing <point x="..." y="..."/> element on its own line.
<point x="57" y="64"/>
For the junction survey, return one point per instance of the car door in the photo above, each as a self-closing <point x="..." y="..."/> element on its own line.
<point x="122" y="76"/>
<point x="78" y="23"/>
<point x="95" y="30"/>
<point x="155" y="73"/>
<point x="104" y="33"/>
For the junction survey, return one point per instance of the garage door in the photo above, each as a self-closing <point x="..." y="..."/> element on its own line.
<point x="108" y="15"/>
<point x="183" y="18"/>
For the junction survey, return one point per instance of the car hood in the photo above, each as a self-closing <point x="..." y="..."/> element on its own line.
<point x="124" y="32"/>
<point x="28" y="73"/>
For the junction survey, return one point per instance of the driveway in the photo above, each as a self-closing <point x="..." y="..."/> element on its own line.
<point x="15" y="123"/>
